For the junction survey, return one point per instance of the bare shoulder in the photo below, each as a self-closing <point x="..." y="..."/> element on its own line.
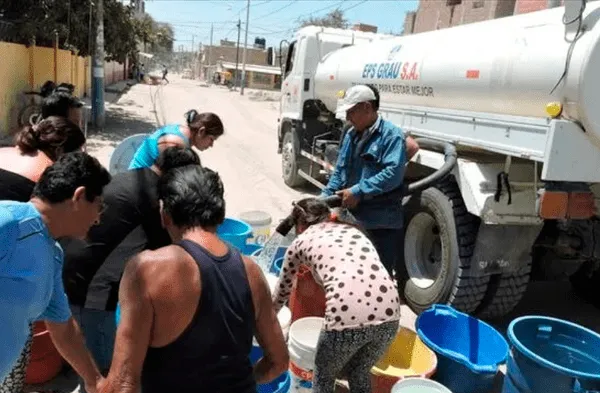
<point x="156" y="263"/>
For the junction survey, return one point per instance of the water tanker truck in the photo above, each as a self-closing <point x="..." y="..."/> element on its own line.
<point x="507" y="109"/>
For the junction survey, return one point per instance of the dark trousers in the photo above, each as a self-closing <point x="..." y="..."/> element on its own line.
<point x="390" y="247"/>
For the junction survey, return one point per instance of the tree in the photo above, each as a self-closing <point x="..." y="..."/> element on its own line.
<point x="70" y="19"/>
<point x="335" y="18"/>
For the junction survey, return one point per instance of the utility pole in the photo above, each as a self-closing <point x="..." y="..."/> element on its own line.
<point x="208" y="71"/>
<point x="237" y="54"/>
<point x="98" y="69"/>
<point x="245" y="51"/>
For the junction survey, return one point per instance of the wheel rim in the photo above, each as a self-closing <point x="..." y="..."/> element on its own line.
<point x="423" y="250"/>
<point x="287" y="162"/>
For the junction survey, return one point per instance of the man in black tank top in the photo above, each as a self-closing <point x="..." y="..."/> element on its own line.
<point x="189" y="310"/>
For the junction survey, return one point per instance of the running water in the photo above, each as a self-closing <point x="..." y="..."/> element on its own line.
<point x="265" y="258"/>
<point x="280" y="236"/>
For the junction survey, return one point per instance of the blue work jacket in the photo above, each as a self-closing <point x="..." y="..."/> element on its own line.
<point x="374" y="172"/>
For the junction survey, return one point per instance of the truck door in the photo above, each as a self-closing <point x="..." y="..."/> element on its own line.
<point x="291" y="106"/>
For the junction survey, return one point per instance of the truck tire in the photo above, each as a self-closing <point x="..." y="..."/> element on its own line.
<point x="504" y="292"/>
<point x="437" y="220"/>
<point x="291" y="160"/>
<point x="585" y="283"/>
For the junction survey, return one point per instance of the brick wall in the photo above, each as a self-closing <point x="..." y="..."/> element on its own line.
<point x="254" y="56"/>
<point x="524" y="6"/>
<point x="440" y="14"/>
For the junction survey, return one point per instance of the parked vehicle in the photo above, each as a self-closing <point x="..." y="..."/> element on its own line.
<point x="32" y="113"/>
<point x="519" y="103"/>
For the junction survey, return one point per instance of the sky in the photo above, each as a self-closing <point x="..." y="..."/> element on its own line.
<point x="273" y="20"/>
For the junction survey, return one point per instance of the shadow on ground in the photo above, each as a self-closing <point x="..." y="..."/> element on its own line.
<point x="120" y="124"/>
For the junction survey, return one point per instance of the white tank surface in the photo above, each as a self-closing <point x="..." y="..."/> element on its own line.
<point x="506" y="66"/>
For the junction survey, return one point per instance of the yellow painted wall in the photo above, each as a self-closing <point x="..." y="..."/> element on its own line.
<point x="14" y="77"/>
<point x="25" y="69"/>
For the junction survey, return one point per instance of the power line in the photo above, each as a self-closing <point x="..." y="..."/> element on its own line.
<point x="276" y="11"/>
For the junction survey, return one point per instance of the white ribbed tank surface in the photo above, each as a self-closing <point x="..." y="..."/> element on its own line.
<point x="505" y="66"/>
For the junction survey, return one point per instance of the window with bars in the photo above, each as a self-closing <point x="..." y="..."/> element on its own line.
<point x="450" y="3"/>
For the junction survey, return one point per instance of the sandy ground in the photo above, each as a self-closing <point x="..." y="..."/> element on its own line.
<point x="247" y="160"/>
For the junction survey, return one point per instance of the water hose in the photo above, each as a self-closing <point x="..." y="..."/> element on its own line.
<point x="449" y="163"/>
<point x="450" y="157"/>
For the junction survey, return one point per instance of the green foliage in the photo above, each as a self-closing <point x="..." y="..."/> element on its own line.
<point x="70" y="19"/>
<point x="335" y="18"/>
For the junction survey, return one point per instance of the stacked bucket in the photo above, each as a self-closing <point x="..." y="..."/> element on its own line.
<point x="450" y="352"/>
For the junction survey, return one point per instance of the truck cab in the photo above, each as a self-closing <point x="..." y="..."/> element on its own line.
<point x="308" y="132"/>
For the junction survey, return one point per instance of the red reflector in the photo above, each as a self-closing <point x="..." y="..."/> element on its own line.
<point x="472" y="74"/>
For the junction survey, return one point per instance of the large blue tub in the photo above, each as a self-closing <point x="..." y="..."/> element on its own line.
<point x="236" y="232"/>
<point x="552" y="355"/>
<point x="469" y="350"/>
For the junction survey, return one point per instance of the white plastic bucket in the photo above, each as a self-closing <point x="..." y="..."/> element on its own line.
<point x="261" y="225"/>
<point x="419" y="385"/>
<point x="303" y="338"/>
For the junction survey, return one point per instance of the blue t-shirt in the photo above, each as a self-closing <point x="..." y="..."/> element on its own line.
<point x="147" y="153"/>
<point x="31" y="285"/>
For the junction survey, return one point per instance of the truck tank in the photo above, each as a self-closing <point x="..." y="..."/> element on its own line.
<point x="512" y="66"/>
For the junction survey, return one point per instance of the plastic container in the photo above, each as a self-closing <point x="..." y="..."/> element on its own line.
<point x="235" y="232"/>
<point x="469" y="351"/>
<point x="251" y="248"/>
<point x="45" y="361"/>
<point x="302" y="345"/>
<point x="261" y="225"/>
<point x="308" y="297"/>
<point x="406" y="357"/>
<point x="418" y="385"/>
<point x="281" y="384"/>
<point x="552" y="355"/>
<point x="276" y="267"/>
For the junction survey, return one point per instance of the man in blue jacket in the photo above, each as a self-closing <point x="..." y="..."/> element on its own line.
<point x="369" y="172"/>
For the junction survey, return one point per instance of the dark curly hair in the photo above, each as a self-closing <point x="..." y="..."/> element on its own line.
<point x="72" y="170"/>
<point x="53" y="136"/>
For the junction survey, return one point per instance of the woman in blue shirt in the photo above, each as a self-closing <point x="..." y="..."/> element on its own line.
<point x="201" y="131"/>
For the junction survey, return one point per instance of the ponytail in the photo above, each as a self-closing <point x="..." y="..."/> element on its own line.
<point x="311" y="211"/>
<point x="190" y="116"/>
<point x="28" y="139"/>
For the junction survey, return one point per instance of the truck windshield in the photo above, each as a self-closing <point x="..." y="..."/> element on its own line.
<point x="289" y="63"/>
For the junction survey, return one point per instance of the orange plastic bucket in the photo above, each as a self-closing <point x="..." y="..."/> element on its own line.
<point x="406" y="357"/>
<point x="45" y="361"/>
<point x="307" y="298"/>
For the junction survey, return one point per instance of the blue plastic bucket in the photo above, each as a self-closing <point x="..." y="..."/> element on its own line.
<point x="469" y="350"/>
<point x="277" y="259"/>
<point x="280" y="384"/>
<point x="251" y="248"/>
<point x="236" y="232"/>
<point x="276" y="267"/>
<point x="552" y="355"/>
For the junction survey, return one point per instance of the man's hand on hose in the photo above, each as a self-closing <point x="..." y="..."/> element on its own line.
<point x="349" y="200"/>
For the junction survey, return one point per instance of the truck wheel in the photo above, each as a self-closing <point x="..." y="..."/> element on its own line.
<point x="504" y="292"/>
<point x="290" y="161"/>
<point x="585" y="283"/>
<point x="439" y="241"/>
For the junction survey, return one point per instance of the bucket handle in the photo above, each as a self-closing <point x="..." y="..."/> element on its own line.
<point x="578" y="389"/>
<point x="443" y="309"/>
